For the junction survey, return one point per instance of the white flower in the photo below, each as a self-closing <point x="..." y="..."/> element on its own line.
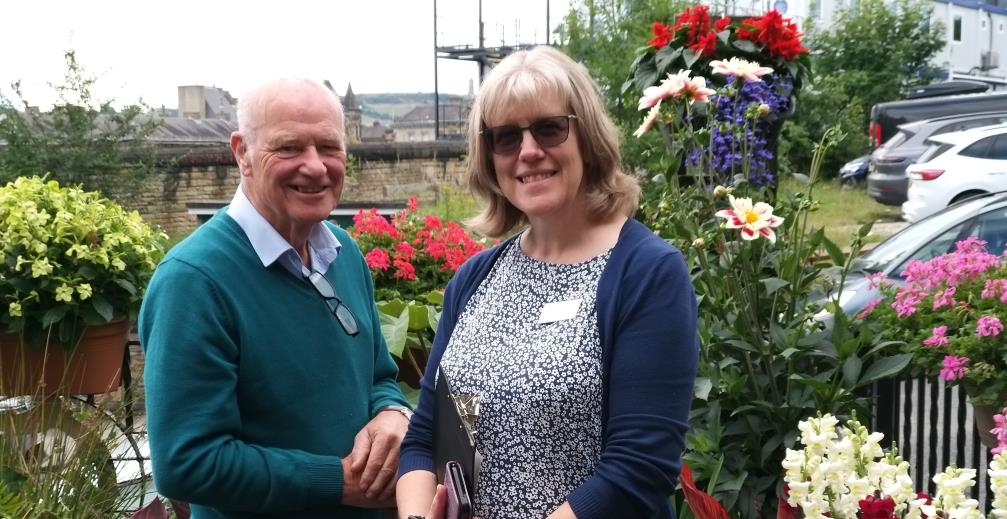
<point x="754" y="221"/>
<point x="649" y="120"/>
<point x="740" y="68"/>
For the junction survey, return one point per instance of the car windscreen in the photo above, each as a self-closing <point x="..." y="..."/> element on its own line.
<point x="896" y="140"/>
<point x="914" y="236"/>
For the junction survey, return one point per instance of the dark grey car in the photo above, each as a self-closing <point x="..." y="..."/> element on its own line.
<point x="886" y="179"/>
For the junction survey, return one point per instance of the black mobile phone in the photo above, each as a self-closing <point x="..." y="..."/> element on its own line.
<point x="459" y="500"/>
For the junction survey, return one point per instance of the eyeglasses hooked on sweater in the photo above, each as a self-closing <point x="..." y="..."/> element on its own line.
<point x="335" y="304"/>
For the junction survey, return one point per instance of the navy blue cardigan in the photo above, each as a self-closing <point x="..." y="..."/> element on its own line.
<point x="647" y="324"/>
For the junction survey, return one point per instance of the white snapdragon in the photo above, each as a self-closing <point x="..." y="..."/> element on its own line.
<point x="951" y="487"/>
<point x="998" y="485"/>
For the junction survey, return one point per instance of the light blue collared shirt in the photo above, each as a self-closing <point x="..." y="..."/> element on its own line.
<point x="323" y="246"/>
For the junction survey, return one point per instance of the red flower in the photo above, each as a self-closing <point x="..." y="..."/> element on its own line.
<point x="431" y="222"/>
<point x="706" y="46"/>
<point x="874" y="507"/>
<point x="703" y="505"/>
<point x="404" y="250"/>
<point x="412" y="204"/>
<point x="779" y="35"/>
<point x="404" y="269"/>
<point x="377" y="259"/>
<point x="721" y="24"/>
<point x="662" y="35"/>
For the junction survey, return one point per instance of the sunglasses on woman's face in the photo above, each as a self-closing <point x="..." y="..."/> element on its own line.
<point x="336" y="305"/>
<point x="547" y="132"/>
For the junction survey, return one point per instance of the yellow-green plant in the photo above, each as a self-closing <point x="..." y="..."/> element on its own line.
<point x="69" y="258"/>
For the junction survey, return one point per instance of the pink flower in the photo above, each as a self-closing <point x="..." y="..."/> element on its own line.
<point x="877" y="280"/>
<point x="989" y="326"/>
<point x="939" y="337"/>
<point x="680" y="85"/>
<point x="954" y="367"/>
<point x="945" y="298"/>
<point x="1000" y="431"/>
<point x="413" y="204"/>
<point x="868" y="307"/>
<point x="753" y="220"/>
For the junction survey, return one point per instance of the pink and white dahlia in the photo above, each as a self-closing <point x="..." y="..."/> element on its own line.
<point x="740" y="68"/>
<point x="754" y="220"/>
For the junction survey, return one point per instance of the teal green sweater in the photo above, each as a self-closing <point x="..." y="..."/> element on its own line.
<point x="253" y="390"/>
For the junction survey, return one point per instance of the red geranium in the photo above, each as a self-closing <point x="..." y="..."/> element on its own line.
<point x="412" y="254"/>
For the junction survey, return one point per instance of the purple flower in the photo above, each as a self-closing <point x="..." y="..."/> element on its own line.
<point x="954" y="367"/>
<point x="938" y="338"/>
<point x="989" y="326"/>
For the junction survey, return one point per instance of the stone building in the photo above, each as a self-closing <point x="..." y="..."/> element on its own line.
<point x="418" y="125"/>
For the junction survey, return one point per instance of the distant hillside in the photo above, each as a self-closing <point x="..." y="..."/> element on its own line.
<point x="387" y="107"/>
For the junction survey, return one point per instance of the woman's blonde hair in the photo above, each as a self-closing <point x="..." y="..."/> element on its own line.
<point x="524" y="79"/>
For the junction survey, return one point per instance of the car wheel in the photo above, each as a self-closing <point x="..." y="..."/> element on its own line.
<point x="965" y="196"/>
<point x="849" y="183"/>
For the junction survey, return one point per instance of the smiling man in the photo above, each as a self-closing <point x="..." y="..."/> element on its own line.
<point x="270" y="391"/>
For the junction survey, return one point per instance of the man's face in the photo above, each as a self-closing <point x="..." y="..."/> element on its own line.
<point x="293" y="168"/>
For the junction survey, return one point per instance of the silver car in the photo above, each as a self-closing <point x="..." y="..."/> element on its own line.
<point x="984" y="217"/>
<point x="886" y="178"/>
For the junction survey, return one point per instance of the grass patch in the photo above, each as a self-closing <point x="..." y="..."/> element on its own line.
<point x="841" y="211"/>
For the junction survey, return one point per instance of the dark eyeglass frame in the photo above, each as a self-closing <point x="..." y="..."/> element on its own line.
<point x="490" y="134"/>
<point x="336" y="305"/>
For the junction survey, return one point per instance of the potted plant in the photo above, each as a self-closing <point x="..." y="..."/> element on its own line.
<point x="73" y="268"/>
<point x="950" y="313"/>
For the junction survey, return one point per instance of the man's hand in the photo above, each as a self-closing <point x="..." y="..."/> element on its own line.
<point x="353" y="494"/>
<point x="375" y="455"/>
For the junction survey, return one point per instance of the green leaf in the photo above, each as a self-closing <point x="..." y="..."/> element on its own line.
<point x="666" y="56"/>
<point x="433" y="317"/>
<point x="851" y="371"/>
<point x="395" y="329"/>
<point x="419" y="317"/>
<point x="834" y="251"/>
<point x="745" y="46"/>
<point x="54" y="315"/>
<point x="701" y="387"/>
<point x="742" y="345"/>
<point x="691" y="57"/>
<point x="885" y="367"/>
<point x="126" y="285"/>
<point x="773" y="284"/>
<point x="392" y="307"/>
<point x="435" y="297"/>
<point x="102" y="306"/>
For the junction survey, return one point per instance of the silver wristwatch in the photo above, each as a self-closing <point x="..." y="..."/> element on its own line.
<point x="408" y="413"/>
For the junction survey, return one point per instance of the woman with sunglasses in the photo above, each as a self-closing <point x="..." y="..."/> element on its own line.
<point x="578" y="333"/>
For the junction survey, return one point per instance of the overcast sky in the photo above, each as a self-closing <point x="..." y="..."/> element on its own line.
<point x="147" y="48"/>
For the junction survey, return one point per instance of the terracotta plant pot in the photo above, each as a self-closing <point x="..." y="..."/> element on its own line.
<point x="93" y="367"/>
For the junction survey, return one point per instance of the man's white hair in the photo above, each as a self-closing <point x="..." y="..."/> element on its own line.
<point x="250" y="103"/>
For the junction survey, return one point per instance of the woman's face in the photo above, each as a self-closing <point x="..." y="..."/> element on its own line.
<point x="541" y="181"/>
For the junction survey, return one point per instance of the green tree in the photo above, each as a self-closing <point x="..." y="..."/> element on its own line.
<point x="873" y="52"/>
<point x="81" y="141"/>
<point x="603" y="35"/>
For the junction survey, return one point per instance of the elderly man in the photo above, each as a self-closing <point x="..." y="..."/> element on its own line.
<point x="270" y="391"/>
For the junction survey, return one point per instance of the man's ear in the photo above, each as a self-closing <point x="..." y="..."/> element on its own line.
<point x="240" y="150"/>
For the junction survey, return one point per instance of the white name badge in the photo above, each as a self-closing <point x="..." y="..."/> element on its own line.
<point x="559" y="311"/>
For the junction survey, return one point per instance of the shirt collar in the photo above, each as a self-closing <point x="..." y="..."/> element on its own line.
<point x="271" y="247"/>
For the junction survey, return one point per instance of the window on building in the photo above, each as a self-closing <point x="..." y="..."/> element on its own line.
<point x="956" y="29"/>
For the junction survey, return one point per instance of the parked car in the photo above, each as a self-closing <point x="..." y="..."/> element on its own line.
<point x="854" y="172"/>
<point x="886" y="117"/>
<point x="887" y="181"/>
<point x="957" y="166"/>
<point x="984" y="217"/>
